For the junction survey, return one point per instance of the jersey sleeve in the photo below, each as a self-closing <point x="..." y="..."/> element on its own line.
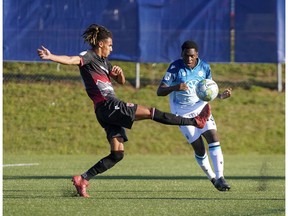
<point x="169" y="76"/>
<point x="85" y="58"/>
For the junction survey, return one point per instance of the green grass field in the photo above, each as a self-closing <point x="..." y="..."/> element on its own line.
<point x="58" y="118"/>
<point x="51" y="124"/>
<point x="144" y="185"/>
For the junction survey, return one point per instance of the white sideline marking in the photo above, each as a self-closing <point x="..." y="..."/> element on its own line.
<point x="14" y="165"/>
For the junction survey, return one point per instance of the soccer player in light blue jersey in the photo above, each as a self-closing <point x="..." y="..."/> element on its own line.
<point x="179" y="83"/>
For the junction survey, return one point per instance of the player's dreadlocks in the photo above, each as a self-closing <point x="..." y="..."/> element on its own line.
<point x="95" y="33"/>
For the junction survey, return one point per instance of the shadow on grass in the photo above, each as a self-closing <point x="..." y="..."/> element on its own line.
<point x="137" y="177"/>
<point x="69" y="191"/>
<point x="95" y="197"/>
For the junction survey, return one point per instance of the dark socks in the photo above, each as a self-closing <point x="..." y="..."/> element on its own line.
<point x="171" y="119"/>
<point x="104" y="164"/>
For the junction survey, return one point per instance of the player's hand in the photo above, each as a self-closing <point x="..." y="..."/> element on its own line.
<point x="117" y="74"/>
<point x="116" y="71"/>
<point x="44" y="53"/>
<point x="183" y="87"/>
<point x="226" y="93"/>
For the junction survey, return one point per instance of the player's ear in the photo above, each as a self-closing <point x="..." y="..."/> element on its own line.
<point x="100" y="44"/>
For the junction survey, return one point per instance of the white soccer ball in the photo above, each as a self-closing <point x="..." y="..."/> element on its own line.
<point x="207" y="90"/>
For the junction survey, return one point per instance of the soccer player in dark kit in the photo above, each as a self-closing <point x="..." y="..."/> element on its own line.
<point x="113" y="114"/>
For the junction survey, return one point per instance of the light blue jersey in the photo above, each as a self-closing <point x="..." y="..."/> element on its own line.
<point x="178" y="73"/>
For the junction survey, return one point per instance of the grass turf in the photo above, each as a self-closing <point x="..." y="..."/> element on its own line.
<point x="143" y="185"/>
<point x="59" y="118"/>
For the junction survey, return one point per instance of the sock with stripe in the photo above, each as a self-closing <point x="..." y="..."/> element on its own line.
<point x="217" y="159"/>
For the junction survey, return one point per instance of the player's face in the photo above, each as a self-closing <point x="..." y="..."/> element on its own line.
<point x="106" y="47"/>
<point x="190" y="57"/>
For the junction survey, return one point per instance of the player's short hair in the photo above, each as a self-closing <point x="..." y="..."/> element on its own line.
<point x="96" y="33"/>
<point x="189" y="45"/>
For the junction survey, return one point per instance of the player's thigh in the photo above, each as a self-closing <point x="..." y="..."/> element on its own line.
<point x="115" y="135"/>
<point x="193" y="137"/>
<point x="210" y="131"/>
<point x="191" y="133"/>
<point x="117" y="144"/>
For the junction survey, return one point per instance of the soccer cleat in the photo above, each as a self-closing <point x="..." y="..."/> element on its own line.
<point x="201" y="119"/>
<point x="213" y="180"/>
<point x="80" y="185"/>
<point x="221" y="184"/>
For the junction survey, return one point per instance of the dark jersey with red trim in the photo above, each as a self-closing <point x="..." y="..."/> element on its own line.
<point x="95" y="71"/>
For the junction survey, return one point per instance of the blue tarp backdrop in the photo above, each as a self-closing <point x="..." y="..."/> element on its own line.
<point x="260" y="31"/>
<point x="146" y="30"/>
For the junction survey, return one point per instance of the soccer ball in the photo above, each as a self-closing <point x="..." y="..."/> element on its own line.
<point x="207" y="90"/>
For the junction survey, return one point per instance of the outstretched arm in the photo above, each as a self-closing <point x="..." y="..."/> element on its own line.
<point x="45" y="54"/>
<point x="225" y="94"/>
<point x="164" y="90"/>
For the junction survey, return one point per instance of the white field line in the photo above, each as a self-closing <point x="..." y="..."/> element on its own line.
<point x="17" y="165"/>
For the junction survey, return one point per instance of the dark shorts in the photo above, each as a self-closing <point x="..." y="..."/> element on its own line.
<point x="115" y="115"/>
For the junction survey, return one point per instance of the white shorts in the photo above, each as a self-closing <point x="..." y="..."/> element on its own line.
<point x="192" y="133"/>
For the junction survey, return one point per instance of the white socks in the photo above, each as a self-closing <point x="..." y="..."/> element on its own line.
<point x="204" y="163"/>
<point x="217" y="159"/>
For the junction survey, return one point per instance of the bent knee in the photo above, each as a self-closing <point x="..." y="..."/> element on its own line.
<point x="211" y="136"/>
<point x="117" y="155"/>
